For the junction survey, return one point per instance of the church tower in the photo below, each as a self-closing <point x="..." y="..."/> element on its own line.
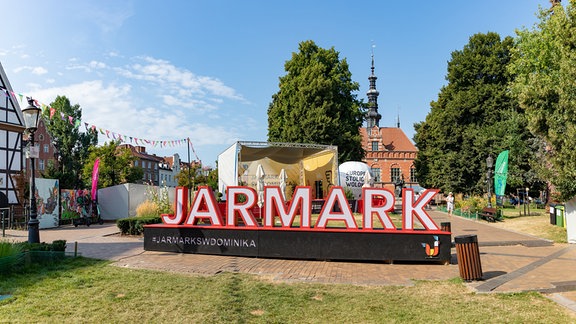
<point x="389" y="153"/>
<point x="372" y="116"/>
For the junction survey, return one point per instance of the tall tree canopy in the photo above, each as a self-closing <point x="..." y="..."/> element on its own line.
<point x="72" y="145"/>
<point x="194" y="177"/>
<point x="545" y="83"/>
<point x="115" y="165"/>
<point x="473" y="117"/>
<point x="316" y="104"/>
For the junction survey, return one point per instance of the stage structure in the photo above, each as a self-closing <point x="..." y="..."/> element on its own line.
<point x="253" y="163"/>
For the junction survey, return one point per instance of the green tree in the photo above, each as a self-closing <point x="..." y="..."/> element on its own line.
<point x="72" y="145"/>
<point x="473" y="117"/>
<point x="116" y="165"/>
<point x="194" y="177"/>
<point x="190" y="177"/>
<point x="316" y="104"/>
<point x="545" y="84"/>
<point x="212" y="179"/>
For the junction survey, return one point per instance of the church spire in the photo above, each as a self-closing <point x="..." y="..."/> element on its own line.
<point x="372" y="116"/>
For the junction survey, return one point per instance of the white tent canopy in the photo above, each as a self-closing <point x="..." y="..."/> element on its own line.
<point x="304" y="164"/>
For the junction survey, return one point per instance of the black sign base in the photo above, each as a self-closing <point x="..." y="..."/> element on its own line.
<point x="336" y="244"/>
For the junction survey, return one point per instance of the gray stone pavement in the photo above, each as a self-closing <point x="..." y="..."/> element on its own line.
<point x="510" y="261"/>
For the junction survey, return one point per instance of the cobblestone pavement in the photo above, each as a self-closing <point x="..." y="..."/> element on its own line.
<point x="509" y="261"/>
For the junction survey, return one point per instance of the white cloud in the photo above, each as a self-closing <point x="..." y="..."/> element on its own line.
<point x="109" y="19"/>
<point x="97" y="65"/>
<point x="177" y="80"/>
<point x="37" y="70"/>
<point x="86" y="67"/>
<point x="113" y="108"/>
<point x="103" y="106"/>
<point x="149" y="99"/>
<point x="193" y="104"/>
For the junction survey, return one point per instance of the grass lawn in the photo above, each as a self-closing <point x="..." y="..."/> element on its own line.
<point x="91" y="291"/>
<point x="81" y="290"/>
<point x="536" y="223"/>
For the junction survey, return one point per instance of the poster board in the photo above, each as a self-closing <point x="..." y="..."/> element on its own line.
<point x="48" y="202"/>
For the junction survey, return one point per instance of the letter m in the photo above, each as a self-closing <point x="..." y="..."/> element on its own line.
<point x="275" y="205"/>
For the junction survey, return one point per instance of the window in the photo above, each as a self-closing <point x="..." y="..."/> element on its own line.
<point x="41" y="164"/>
<point x="394" y="174"/>
<point x="136" y="163"/>
<point x="413" y="175"/>
<point x="46" y="148"/>
<point x="374" y="146"/>
<point x="376" y="174"/>
<point x="149" y="165"/>
<point x="40" y="137"/>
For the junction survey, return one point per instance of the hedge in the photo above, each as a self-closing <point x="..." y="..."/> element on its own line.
<point x="135" y="225"/>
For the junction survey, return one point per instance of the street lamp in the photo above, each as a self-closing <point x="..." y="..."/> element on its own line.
<point x="489" y="164"/>
<point x="31" y="116"/>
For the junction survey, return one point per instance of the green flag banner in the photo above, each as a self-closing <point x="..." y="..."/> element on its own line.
<point x="501" y="173"/>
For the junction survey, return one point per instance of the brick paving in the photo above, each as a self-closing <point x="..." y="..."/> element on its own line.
<point x="510" y="261"/>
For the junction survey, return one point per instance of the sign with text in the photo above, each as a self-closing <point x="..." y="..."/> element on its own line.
<point x="287" y="229"/>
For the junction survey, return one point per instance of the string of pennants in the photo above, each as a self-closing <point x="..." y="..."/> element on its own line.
<point x="116" y="136"/>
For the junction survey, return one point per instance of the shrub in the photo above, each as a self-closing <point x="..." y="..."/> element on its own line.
<point x="473" y="204"/>
<point x="10" y="255"/>
<point x="349" y="194"/>
<point x="135" y="225"/>
<point x="58" y="245"/>
<point x="69" y="214"/>
<point x="9" y="249"/>
<point x="159" y="196"/>
<point x="17" y="254"/>
<point x="147" y="209"/>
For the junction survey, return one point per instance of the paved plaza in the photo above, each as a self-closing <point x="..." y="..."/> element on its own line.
<point x="510" y="261"/>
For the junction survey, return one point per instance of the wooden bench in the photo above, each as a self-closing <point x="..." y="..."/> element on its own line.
<point x="489" y="214"/>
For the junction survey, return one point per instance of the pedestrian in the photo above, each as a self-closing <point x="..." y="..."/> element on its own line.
<point x="450" y="203"/>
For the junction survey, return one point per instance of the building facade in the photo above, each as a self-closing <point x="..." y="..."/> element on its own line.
<point x="11" y="154"/>
<point x="159" y="171"/>
<point x="47" y="152"/>
<point x="150" y="163"/>
<point x="389" y="152"/>
<point x="169" y="170"/>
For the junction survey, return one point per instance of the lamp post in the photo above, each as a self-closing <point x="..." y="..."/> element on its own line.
<point x="31" y="116"/>
<point x="489" y="164"/>
<point x="527" y="201"/>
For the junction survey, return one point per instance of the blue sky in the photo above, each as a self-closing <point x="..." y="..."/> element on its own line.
<point x="207" y="70"/>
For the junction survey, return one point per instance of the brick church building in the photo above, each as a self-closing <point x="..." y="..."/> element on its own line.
<point x="389" y="152"/>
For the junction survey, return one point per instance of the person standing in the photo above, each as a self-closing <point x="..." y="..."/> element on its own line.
<point x="450" y="203"/>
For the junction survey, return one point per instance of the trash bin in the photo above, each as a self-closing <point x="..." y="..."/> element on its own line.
<point x="560" y="215"/>
<point x="468" y="256"/>
<point x="553" y="214"/>
<point x="446" y="226"/>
